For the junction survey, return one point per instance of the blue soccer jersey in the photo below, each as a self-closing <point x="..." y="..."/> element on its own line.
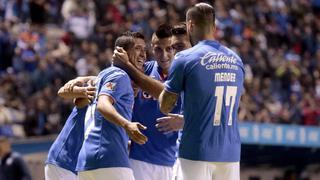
<point x="65" y="149"/>
<point x="211" y="77"/>
<point x="105" y="143"/>
<point x="161" y="148"/>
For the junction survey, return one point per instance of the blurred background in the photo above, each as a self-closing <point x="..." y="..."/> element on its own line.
<point x="45" y="43"/>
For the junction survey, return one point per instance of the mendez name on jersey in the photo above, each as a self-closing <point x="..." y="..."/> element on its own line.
<point x="211" y="79"/>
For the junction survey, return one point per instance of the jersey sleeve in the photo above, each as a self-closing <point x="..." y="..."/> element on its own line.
<point x="115" y="86"/>
<point x="175" y="79"/>
<point x="148" y="66"/>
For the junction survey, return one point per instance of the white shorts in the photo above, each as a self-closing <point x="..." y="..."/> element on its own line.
<point x="147" y="171"/>
<point x="117" y="173"/>
<point x="177" y="172"/>
<point x="203" y="170"/>
<point x="53" y="172"/>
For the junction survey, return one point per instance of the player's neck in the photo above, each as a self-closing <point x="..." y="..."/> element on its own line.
<point x="204" y="37"/>
<point x="164" y="73"/>
<point x="208" y="36"/>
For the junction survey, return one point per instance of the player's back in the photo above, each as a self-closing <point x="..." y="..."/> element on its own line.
<point x="213" y="83"/>
<point x="65" y="149"/>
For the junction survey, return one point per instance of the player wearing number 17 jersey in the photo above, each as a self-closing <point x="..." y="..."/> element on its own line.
<point x="211" y="77"/>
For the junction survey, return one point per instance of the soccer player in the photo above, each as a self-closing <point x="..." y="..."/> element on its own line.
<point x="140" y="48"/>
<point x="104" y="152"/>
<point x="211" y="77"/>
<point x="63" y="154"/>
<point x="180" y="41"/>
<point x="155" y="159"/>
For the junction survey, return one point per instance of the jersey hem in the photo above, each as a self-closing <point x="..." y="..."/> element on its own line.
<point x="154" y="163"/>
<point x="88" y="168"/>
<point x="55" y="163"/>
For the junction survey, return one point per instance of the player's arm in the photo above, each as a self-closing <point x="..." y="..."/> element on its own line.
<point x="77" y="92"/>
<point x="146" y="83"/>
<point x="75" y="88"/>
<point x="167" y="101"/>
<point x="107" y="110"/>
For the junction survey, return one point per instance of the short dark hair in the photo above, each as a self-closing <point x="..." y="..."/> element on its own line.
<point x="179" y="29"/>
<point x="202" y="14"/>
<point x="125" y="41"/>
<point x="163" y="31"/>
<point x="138" y="35"/>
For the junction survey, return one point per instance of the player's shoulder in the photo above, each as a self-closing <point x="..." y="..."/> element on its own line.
<point x="184" y="56"/>
<point x="187" y="53"/>
<point x="231" y="52"/>
<point x="192" y="53"/>
<point x="149" y="66"/>
<point x="113" y="72"/>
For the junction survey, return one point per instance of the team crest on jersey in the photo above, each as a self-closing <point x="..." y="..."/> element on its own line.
<point x="110" y="86"/>
<point x="145" y="95"/>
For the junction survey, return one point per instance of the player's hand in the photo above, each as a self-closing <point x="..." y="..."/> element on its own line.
<point x="120" y="58"/>
<point x="132" y="129"/>
<point x="170" y="123"/>
<point x="79" y="81"/>
<point x="121" y="54"/>
<point x="73" y="83"/>
<point x="85" y="92"/>
<point x="90" y="92"/>
<point x="92" y="82"/>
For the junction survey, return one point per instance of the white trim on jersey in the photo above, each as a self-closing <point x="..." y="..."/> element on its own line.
<point x="146" y="171"/>
<point x="89" y="120"/>
<point x="203" y="170"/>
<point x="53" y="172"/>
<point x="118" y="173"/>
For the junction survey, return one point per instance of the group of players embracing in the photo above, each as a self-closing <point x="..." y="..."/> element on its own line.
<point x="161" y="105"/>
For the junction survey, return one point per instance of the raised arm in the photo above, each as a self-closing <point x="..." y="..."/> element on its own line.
<point x="146" y="83"/>
<point x="74" y="88"/>
<point x="77" y="92"/>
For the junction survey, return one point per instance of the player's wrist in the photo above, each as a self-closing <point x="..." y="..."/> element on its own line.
<point x="125" y="124"/>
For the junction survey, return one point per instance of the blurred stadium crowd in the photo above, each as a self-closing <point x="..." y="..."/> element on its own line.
<point x="43" y="44"/>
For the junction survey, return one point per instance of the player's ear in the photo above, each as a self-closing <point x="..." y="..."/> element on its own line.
<point x="190" y="25"/>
